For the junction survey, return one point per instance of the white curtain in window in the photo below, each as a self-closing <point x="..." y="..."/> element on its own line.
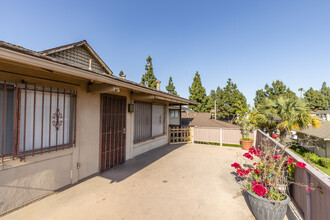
<point x="55" y="135"/>
<point x="158" y="119"/>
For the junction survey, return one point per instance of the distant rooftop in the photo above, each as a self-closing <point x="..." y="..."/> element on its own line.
<point x="204" y="120"/>
<point x="322" y="132"/>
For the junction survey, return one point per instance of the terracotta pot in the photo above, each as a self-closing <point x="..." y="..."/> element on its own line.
<point x="246" y="145"/>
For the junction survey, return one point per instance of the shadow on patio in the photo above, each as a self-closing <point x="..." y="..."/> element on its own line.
<point x="132" y="166"/>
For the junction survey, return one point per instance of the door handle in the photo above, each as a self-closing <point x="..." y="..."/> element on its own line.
<point x="124" y="131"/>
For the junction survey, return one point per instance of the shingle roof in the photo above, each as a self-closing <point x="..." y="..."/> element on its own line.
<point x="322" y="132"/>
<point x="204" y="120"/>
<point x="33" y="53"/>
<point x="322" y="112"/>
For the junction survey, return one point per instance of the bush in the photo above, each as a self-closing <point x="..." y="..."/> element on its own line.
<point x="324" y="162"/>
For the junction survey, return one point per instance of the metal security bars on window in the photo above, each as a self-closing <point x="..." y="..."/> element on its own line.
<point x="36" y="119"/>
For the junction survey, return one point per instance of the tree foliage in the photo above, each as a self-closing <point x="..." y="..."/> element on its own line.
<point x="284" y="114"/>
<point x="198" y="94"/>
<point x="121" y="73"/>
<point x="229" y="101"/>
<point x="274" y="91"/>
<point x="170" y="87"/>
<point x="148" y="78"/>
<point x="315" y="100"/>
<point x="325" y="91"/>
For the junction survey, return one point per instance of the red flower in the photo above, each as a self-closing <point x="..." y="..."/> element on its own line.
<point x="256" y="171"/>
<point x="236" y="165"/>
<point x="252" y="150"/>
<point x="308" y="189"/>
<point x="290" y="160"/>
<point x="242" y="172"/>
<point x="259" y="189"/>
<point x="276" y="157"/>
<point x="301" y="165"/>
<point x="248" y="156"/>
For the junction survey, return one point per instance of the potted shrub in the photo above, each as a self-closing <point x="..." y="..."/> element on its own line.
<point x="246" y="121"/>
<point x="265" y="179"/>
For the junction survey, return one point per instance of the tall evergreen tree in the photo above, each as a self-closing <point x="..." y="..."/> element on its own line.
<point x="315" y="100"/>
<point x="325" y="90"/>
<point x="198" y="94"/>
<point x="274" y="91"/>
<point x="149" y="79"/>
<point x="121" y="73"/>
<point x="230" y="100"/>
<point x="170" y="87"/>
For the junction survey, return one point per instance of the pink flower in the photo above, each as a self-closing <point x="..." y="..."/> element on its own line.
<point x="248" y="156"/>
<point x="259" y="189"/>
<point x="301" y="165"/>
<point x="236" y="165"/>
<point x="290" y="160"/>
<point x="308" y="189"/>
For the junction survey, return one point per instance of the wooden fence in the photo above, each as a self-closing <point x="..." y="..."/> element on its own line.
<point x="314" y="204"/>
<point x="177" y="135"/>
<point x="218" y="135"/>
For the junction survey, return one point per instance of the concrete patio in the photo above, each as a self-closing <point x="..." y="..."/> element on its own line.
<point x="172" y="182"/>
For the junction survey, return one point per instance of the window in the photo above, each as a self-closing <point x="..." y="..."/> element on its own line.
<point x="149" y="120"/>
<point x="174" y="113"/>
<point x="45" y="119"/>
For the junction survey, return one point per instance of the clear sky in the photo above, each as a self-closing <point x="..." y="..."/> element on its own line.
<point x="251" y="41"/>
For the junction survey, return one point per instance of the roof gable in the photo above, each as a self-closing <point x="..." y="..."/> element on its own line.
<point x="79" y="54"/>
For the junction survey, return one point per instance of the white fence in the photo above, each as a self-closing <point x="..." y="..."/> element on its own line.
<point x="219" y="135"/>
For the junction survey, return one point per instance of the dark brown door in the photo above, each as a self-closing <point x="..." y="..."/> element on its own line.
<point x="113" y="131"/>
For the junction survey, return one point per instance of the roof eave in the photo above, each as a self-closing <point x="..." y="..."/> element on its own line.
<point x="15" y="55"/>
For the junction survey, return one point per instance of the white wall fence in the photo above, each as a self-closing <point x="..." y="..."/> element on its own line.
<point x="219" y="135"/>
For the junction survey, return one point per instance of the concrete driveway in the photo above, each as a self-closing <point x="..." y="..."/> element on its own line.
<point x="172" y="182"/>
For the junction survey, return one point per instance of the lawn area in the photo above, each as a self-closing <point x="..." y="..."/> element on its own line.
<point x="310" y="158"/>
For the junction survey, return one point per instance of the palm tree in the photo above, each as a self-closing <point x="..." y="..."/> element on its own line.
<point x="301" y="91"/>
<point x="285" y="115"/>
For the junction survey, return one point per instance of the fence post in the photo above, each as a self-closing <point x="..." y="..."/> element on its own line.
<point x="169" y="135"/>
<point x="220" y="137"/>
<point x="192" y="134"/>
<point x="255" y="138"/>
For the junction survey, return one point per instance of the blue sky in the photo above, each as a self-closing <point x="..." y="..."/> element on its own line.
<point x="253" y="42"/>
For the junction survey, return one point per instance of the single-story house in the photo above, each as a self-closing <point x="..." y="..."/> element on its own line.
<point x="323" y="115"/>
<point x="65" y="117"/>
<point x="316" y="139"/>
<point x="199" y="119"/>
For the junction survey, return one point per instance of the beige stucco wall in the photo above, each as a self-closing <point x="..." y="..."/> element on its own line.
<point x="39" y="175"/>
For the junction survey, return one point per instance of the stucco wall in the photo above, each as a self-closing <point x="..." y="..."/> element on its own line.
<point x="24" y="181"/>
<point x="39" y="175"/>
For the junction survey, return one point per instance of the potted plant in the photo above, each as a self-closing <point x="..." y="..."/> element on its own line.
<point x="247" y="123"/>
<point x="265" y="179"/>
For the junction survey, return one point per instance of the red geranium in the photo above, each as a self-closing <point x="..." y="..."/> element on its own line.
<point x="301" y="165"/>
<point x="259" y="189"/>
<point x="236" y="165"/>
<point x="248" y="156"/>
